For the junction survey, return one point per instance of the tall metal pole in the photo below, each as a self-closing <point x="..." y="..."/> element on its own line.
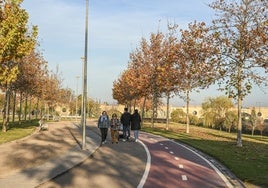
<point x="85" y="82"/>
<point x="77" y="77"/>
<point x="82" y="101"/>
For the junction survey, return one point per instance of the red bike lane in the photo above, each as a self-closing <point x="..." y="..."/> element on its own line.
<point x="174" y="165"/>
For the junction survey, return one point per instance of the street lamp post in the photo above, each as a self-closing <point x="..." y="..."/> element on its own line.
<point x="85" y="81"/>
<point x="82" y="97"/>
<point x="77" y="77"/>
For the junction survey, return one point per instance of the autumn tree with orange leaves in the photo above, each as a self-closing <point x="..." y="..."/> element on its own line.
<point x="169" y="75"/>
<point x="32" y="70"/>
<point x="242" y="34"/>
<point x="150" y="60"/>
<point x="123" y="90"/>
<point x="196" y="63"/>
<point x="233" y="52"/>
<point x="165" y="65"/>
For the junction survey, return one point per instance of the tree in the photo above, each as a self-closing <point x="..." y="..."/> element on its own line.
<point x="123" y="91"/>
<point x="32" y="69"/>
<point x="178" y="116"/>
<point x="140" y="63"/>
<point x="197" y="56"/>
<point x="230" y="120"/>
<point x="51" y="90"/>
<point x="217" y="109"/>
<point x="241" y="28"/>
<point x="94" y="108"/>
<point x="155" y="62"/>
<point x="170" y="77"/>
<point x="260" y="125"/>
<point x="253" y="120"/>
<point x="142" y="78"/>
<point x="16" y="41"/>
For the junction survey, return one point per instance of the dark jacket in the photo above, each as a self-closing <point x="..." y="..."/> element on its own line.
<point x="135" y="121"/>
<point x="125" y="118"/>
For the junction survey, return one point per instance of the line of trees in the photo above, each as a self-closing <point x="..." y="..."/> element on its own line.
<point x="24" y="74"/>
<point x="219" y="113"/>
<point x="30" y="89"/>
<point x="232" y="51"/>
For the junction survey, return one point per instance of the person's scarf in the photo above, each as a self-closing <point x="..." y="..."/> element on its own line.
<point x="103" y="118"/>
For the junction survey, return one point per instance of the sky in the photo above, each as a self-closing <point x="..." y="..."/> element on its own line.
<point x="115" y="29"/>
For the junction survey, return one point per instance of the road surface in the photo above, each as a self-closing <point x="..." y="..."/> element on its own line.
<point x="154" y="162"/>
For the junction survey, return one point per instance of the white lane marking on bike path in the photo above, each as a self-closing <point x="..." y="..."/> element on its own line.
<point x="184" y="177"/>
<point x="147" y="168"/>
<point x="210" y="164"/>
<point x="228" y="184"/>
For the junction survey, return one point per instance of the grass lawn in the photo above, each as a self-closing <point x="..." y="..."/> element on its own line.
<point x="249" y="162"/>
<point x="17" y="131"/>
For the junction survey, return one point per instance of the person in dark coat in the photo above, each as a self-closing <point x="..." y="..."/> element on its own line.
<point x="125" y="120"/>
<point x="136" y="124"/>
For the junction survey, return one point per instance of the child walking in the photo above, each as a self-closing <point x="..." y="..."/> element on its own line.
<point x="115" y="125"/>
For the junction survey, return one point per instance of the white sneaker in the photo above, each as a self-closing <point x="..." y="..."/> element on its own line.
<point x="124" y="140"/>
<point x="103" y="142"/>
<point x="136" y="140"/>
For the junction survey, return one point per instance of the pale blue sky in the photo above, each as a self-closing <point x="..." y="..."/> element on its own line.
<point x="115" y="29"/>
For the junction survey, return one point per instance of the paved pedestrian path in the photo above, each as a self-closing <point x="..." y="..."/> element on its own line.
<point x="119" y="165"/>
<point x="31" y="161"/>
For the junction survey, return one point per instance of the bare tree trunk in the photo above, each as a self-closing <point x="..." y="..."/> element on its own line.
<point x="154" y="109"/>
<point x="25" y="107"/>
<point x="30" y="109"/>
<point x="167" y="116"/>
<point x="143" y="110"/>
<point x="239" y="107"/>
<point x="8" y="105"/>
<point x="5" y="112"/>
<point x="130" y="107"/>
<point x="37" y="108"/>
<point x="239" y="126"/>
<point x="20" y="111"/>
<point x="187" y="111"/>
<point x="14" y="106"/>
<point x="134" y="105"/>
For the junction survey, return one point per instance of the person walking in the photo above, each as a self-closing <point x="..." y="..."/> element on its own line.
<point x="103" y="125"/>
<point x="125" y="120"/>
<point x="136" y="124"/>
<point x="115" y="126"/>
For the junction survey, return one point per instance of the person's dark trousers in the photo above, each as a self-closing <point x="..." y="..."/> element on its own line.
<point x="128" y="131"/>
<point x="103" y="133"/>
<point x="124" y="131"/>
